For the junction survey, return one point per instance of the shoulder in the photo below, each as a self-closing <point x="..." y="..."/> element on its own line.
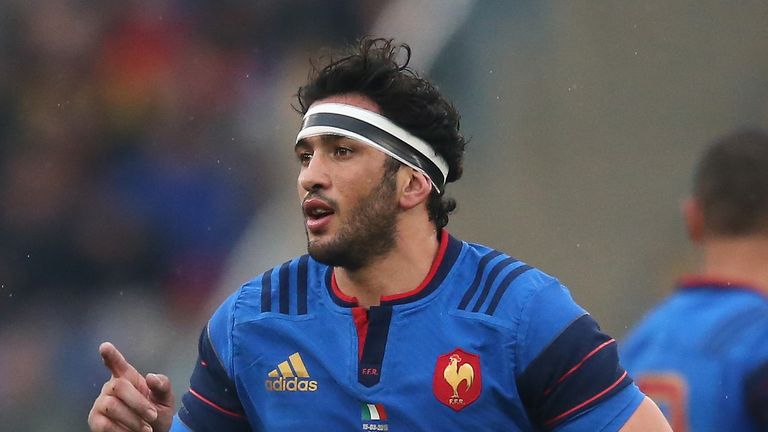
<point x="502" y="290"/>
<point x="510" y="290"/>
<point x="282" y="291"/>
<point x="743" y="329"/>
<point x="493" y="274"/>
<point x="719" y="323"/>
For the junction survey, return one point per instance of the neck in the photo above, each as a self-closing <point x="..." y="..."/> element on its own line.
<point x="401" y="270"/>
<point x="741" y="259"/>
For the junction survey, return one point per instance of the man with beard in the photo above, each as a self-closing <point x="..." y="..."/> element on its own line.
<point x="389" y="323"/>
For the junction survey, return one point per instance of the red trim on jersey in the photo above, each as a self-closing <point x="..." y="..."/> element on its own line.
<point x="360" y="316"/>
<point x="206" y="401"/>
<point x="579" y="364"/>
<point x="337" y="291"/>
<point x="702" y="281"/>
<point x="586" y="402"/>
<point x="432" y="270"/>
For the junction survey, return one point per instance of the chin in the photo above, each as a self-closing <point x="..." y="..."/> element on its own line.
<point x="320" y="254"/>
<point x="330" y="254"/>
<point x="317" y="249"/>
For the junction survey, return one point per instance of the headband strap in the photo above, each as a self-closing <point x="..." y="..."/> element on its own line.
<point x="378" y="132"/>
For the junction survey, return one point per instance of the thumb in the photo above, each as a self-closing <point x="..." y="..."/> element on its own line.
<point x="160" y="389"/>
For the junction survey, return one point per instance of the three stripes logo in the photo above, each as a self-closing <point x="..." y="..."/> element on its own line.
<point x="487" y="290"/>
<point x="291" y="376"/>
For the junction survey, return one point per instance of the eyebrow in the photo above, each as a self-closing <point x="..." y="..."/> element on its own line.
<point x="324" y="139"/>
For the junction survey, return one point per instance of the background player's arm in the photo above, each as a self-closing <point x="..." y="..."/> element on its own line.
<point x="647" y="418"/>
<point x="130" y="401"/>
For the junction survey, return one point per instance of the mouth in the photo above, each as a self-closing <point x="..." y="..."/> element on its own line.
<point x="317" y="213"/>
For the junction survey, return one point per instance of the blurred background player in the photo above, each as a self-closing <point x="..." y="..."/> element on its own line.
<point x="702" y="354"/>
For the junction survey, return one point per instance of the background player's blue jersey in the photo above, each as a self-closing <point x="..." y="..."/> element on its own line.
<point x="484" y="343"/>
<point x="699" y="354"/>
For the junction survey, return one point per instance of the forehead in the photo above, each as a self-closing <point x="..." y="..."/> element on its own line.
<point x="355" y="99"/>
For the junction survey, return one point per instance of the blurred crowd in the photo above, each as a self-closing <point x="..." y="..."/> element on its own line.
<point x="130" y="163"/>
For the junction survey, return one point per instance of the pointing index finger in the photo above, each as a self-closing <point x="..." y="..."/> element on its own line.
<point x="116" y="363"/>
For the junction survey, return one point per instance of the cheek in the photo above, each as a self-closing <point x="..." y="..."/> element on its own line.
<point x="352" y="190"/>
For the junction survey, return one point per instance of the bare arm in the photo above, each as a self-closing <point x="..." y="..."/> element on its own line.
<point x="130" y="401"/>
<point x="647" y="418"/>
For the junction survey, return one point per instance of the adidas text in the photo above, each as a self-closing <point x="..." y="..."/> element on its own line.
<point x="291" y="384"/>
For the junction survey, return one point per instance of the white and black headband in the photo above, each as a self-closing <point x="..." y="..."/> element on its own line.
<point x="378" y="132"/>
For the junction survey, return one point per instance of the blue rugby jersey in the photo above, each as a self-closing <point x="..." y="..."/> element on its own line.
<point x="486" y="342"/>
<point x="702" y="356"/>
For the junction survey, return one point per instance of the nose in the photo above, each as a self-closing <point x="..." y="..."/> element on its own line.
<point x="314" y="176"/>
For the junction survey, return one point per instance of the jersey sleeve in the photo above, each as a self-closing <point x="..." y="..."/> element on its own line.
<point x="570" y="377"/>
<point x="212" y="403"/>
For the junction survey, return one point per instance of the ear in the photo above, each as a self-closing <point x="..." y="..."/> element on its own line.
<point x="694" y="219"/>
<point x="415" y="190"/>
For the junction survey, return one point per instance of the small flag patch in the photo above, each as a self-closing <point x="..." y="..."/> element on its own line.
<point x="373" y="411"/>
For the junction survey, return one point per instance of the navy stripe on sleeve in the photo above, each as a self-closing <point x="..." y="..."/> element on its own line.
<point x="211" y="402"/>
<point x="478" y="278"/>
<point x="576" y="371"/>
<point x="501" y="265"/>
<point x="508" y="279"/>
<point x="284" y="286"/>
<point x="301" y="286"/>
<point x="266" y="291"/>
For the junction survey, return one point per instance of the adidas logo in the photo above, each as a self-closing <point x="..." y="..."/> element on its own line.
<point x="290" y="375"/>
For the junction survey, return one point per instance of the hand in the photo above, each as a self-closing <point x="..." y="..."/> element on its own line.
<point x="130" y="401"/>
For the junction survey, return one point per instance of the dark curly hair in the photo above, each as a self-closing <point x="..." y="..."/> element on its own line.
<point x="378" y="69"/>
<point x="731" y="184"/>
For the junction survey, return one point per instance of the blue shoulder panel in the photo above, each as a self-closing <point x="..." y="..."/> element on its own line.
<point x="547" y="309"/>
<point x="219" y="330"/>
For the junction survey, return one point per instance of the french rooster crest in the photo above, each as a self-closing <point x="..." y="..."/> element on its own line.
<point x="455" y="374"/>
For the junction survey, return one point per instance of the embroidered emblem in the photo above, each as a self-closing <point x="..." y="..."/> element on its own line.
<point x="457" y="381"/>
<point x="290" y="375"/>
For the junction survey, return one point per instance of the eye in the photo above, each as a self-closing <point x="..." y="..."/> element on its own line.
<point x="304" y="157"/>
<point x="342" y="152"/>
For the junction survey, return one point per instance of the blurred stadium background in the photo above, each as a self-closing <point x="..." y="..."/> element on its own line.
<point x="146" y="167"/>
